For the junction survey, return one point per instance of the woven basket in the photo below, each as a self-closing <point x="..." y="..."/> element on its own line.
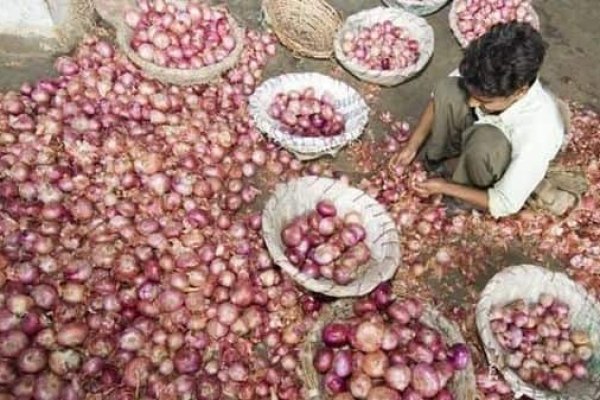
<point x="306" y="27"/>
<point x="418" y="28"/>
<point x="111" y="11"/>
<point x="463" y="41"/>
<point x="181" y="76"/>
<point x="72" y="19"/>
<point x="299" y="197"/>
<point x="528" y="282"/>
<point x="347" y="101"/>
<point x="417" y="7"/>
<point x="462" y="385"/>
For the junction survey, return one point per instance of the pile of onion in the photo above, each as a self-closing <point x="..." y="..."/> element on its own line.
<point x="384" y="352"/>
<point x="323" y="244"/>
<point x="303" y="113"/>
<point x="382" y="46"/>
<point x="539" y="342"/>
<point x="476" y="17"/>
<point x="181" y="36"/>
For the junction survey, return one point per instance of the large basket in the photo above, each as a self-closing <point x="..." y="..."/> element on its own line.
<point x="180" y="76"/>
<point x="418" y="28"/>
<point x="417" y="7"/>
<point x="299" y="197"/>
<point x="528" y="282"/>
<point x="306" y="27"/>
<point x="463" y="41"/>
<point x="462" y="385"/>
<point x="347" y="101"/>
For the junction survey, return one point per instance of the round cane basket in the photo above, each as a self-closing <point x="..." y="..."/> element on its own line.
<point x="181" y="76"/>
<point x="300" y="196"/>
<point x="528" y="282"/>
<point x="346" y="101"/>
<point x="417" y="7"/>
<point x="463" y="39"/>
<point x="418" y="28"/>
<point x="462" y="385"/>
<point x="306" y="27"/>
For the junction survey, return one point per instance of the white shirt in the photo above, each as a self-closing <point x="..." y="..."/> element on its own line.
<point x="534" y="127"/>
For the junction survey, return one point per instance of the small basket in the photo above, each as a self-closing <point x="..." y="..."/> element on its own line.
<point x="301" y="196"/>
<point x="463" y="41"/>
<point x="419" y="29"/>
<point x="462" y="385"/>
<point x="306" y="27"/>
<point x="182" y="76"/>
<point x="528" y="282"/>
<point x="417" y="7"/>
<point x="347" y="101"/>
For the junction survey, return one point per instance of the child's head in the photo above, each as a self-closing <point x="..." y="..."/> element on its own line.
<point x="501" y="65"/>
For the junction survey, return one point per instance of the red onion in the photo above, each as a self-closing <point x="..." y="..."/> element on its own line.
<point x="181" y="41"/>
<point x="474" y="19"/>
<point x="305" y="114"/>
<point x="382" y="46"/>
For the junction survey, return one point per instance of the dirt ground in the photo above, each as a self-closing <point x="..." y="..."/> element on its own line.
<point x="571" y="71"/>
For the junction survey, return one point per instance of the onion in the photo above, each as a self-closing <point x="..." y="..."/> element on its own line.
<point x="459" y="356"/>
<point x="306" y="114"/>
<point x="425" y="380"/>
<point x="383" y="393"/>
<point x="398" y="377"/>
<point x="342" y="363"/>
<point x="335" y="334"/>
<point x="360" y="385"/>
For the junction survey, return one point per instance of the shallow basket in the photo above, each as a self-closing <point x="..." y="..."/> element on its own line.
<point x="419" y="29"/>
<point x="301" y="196"/>
<point x="180" y="76"/>
<point x="462" y="40"/>
<point x="306" y="27"/>
<point x="347" y="101"/>
<point x="417" y="7"/>
<point x="462" y="385"/>
<point x="528" y="282"/>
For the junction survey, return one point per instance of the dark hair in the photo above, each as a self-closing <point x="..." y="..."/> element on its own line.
<point x="503" y="60"/>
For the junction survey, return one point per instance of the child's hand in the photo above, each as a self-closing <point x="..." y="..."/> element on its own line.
<point x="405" y="157"/>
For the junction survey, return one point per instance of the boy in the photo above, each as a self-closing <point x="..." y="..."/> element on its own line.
<point x="494" y="123"/>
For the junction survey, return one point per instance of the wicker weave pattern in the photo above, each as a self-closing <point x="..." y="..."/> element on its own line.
<point x="180" y="76"/>
<point x="111" y="11"/>
<point x="528" y="282"/>
<point x="418" y="28"/>
<point x="463" y="41"/>
<point x="346" y="100"/>
<point x="462" y="385"/>
<point x="306" y="27"/>
<point x="300" y="196"/>
<point x="417" y="7"/>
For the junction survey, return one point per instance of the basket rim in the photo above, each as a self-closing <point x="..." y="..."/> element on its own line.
<point x="492" y="348"/>
<point x="432" y="3"/>
<point x="191" y="76"/>
<point x="461" y="39"/>
<point x="312" y="147"/>
<point x="326" y="286"/>
<point x="293" y="45"/>
<point x="416" y="23"/>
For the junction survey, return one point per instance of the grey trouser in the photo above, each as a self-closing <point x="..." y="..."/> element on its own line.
<point x="483" y="151"/>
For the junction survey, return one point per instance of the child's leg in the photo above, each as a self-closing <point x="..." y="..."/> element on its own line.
<point x="486" y="155"/>
<point x="452" y="115"/>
